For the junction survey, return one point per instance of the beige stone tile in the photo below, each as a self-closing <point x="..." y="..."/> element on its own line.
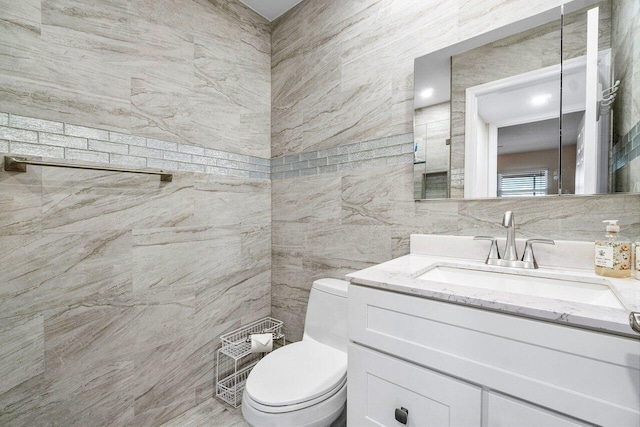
<point x="232" y="297"/>
<point x="335" y="250"/>
<point x="22" y="350"/>
<point x="211" y="412"/>
<point x="22" y="405"/>
<point x="347" y="115"/>
<point x="48" y="273"/>
<point x="219" y="200"/>
<point x="102" y="395"/>
<point x="24" y="14"/>
<point x="378" y="196"/>
<point x="310" y="199"/>
<point x="113" y="201"/>
<point x="169" y="262"/>
<point x="20" y="209"/>
<point x="164" y="379"/>
<point x="84" y="338"/>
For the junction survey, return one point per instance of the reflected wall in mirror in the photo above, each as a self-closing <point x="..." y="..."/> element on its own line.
<point x="606" y="99"/>
<point x="431" y="151"/>
<point x="503" y="93"/>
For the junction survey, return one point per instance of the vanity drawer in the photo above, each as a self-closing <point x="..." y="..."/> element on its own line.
<point x="380" y="384"/>
<point x="587" y="375"/>
<point x="503" y="411"/>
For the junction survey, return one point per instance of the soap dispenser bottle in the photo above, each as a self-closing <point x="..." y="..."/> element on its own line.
<point x="613" y="253"/>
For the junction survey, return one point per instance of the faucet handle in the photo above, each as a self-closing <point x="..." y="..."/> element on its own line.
<point x="494" y="253"/>
<point x="528" y="255"/>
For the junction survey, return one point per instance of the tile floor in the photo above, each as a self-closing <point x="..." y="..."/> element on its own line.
<point x="211" y="412"/>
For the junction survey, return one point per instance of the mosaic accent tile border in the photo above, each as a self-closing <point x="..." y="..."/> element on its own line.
<point x="628" y="148"/>
<point x="377" y="152"/>
<point x="29" y="136"/>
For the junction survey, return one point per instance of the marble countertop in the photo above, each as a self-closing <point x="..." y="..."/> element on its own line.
<point x="401" y="275"/>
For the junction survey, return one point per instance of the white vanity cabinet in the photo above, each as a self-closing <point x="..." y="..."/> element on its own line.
<point x="504" y="411"/>
<point x="451" y="364"/>
<point x="386" y="383"/>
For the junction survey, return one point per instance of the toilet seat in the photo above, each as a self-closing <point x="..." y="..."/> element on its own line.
<point x="297" y="376"/>
<point x="295" y="407"/>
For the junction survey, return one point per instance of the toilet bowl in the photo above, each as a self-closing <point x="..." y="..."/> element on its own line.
<point x="305" y="383"/>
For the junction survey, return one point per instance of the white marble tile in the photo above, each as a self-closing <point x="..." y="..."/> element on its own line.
<point x="36" y="124"/>
<point x="108" y="147"/>
<point x="162" y="164"/>
<point x="35" y="150"/>
<point x="145" y="152"/>
<point x="161" y="145"/>
<point x="119" y="159"/>
<point x="63" y="141"/>
<point x="178" y="157"/>
<point x="127" y="139"/>
<point x="86" y="155"/>
<point x="18" y="135"/>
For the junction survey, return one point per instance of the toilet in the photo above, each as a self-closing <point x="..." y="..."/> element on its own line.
<point x="305" y="383"/>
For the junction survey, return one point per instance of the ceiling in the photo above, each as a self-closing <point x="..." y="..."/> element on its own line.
<point x="271" y="9"/>
<point x="514" y="104"/>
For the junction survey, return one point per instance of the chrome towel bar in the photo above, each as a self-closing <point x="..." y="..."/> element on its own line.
<point x="19" y="164"/>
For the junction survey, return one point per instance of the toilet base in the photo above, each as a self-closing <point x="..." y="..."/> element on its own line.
<point x="324" y="414"/>
<point x="341" y="421"/>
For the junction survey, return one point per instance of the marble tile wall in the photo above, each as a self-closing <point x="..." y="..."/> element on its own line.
<point x="336" y="223"/>
<point x="193" y="71"/>
<point x="36" y="137"/>
<point x="374" y="153"/>
<point x="115" y="288"/>
<point x="626" y="110"/>
<point x="342" y="73"/>
<point x="626" y="59"/>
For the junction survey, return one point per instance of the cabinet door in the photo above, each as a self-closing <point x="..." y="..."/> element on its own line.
<point x="380" y="384"/>
<point x="504" y="411"/>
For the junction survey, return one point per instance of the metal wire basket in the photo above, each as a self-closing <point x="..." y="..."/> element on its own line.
<point x="237" y="344"/>
<point x="230" y="388"/>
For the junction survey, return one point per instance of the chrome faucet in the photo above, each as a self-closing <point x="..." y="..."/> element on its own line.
<point x="509" y="222"/>
<point x="510" y="258"/>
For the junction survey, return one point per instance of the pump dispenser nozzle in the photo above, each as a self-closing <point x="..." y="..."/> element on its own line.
<point x="612" y="226"/>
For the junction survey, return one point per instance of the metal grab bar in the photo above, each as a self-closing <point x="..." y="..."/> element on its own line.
<point x="19" y="164"/>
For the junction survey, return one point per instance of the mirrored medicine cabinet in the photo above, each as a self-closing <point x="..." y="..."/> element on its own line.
<point x="545" y="106"/>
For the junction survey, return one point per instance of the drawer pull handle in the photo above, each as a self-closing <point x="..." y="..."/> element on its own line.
<point x="402" y="415"/>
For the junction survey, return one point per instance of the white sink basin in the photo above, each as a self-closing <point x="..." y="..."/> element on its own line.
<point x="546" y="285"/>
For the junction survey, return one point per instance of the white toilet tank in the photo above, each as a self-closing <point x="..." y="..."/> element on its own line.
<point x="326" y="319"/>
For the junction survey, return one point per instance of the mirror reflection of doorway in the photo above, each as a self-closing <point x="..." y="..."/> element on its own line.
<point x="512" y="124"/>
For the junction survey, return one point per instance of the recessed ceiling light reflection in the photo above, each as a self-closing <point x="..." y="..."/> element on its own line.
<point x="540" y="99"/>
<point x="427" y="93"/>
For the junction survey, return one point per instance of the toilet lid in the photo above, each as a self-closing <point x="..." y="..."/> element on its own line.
<point x="296" y="373"/>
